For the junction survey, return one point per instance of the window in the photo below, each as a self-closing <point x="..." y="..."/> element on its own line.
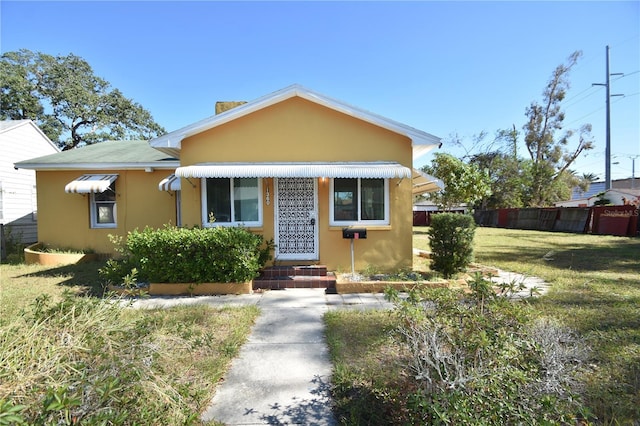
<point x="231" y="201"/>
<point x="359" y="200"/>
<point x="103" y="208"/>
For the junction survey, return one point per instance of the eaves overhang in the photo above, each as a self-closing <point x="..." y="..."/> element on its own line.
<point x="166" y="165"/>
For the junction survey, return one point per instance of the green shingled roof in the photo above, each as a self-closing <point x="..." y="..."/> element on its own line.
<point x="110" y="154"/>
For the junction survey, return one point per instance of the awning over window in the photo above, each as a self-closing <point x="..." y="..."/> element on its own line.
<point x="423" y="183"/>
<point x="379" y="170"/>
<point x="170" y="183"/>
<point x="87" y="184"/>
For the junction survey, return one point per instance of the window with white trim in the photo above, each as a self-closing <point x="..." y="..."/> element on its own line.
<point x="103" y="208"/>
<point x="231" y="201"/>
<point x="359" y="201"/>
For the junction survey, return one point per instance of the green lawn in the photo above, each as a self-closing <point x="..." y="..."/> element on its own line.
<point x="595" y="289"/>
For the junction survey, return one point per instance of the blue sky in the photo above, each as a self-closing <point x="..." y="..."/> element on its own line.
<point x="442" y="67"/>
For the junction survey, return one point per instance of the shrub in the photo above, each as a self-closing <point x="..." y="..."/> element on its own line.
<point x="181" y="255"/>
<point x="451" y="241"/>
<point x="482" y="359"/>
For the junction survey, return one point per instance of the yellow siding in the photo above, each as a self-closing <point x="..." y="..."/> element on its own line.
<point x="64" y="220"/>
<point x="294" y="130"/>
<point x="297" y="130"/>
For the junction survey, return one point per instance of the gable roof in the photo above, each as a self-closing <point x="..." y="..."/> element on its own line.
<point x="7" y="125"/>
<point x="170" y="143"/>
<point x="104" y="155"/>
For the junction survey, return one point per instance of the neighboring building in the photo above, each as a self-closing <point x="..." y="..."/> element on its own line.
<point x="20" y="140"/>
<point x="294" y="166"/>
<point x="598" y="187"/>
<point x="615" y="197"/>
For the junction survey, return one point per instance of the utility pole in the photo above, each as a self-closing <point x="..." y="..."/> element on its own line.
<point x="607" y="85"/>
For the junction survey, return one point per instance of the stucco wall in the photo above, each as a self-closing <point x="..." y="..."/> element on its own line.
<point x="64" y="220"/>
<point x="298" y="130"/>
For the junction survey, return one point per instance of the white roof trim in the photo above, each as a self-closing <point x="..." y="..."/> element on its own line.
<point x="170" y="183"/>
<point x="424" y="183"/>
<point x="87" y="184"/>
<point x="379" y="170"/>
<point x="172" y="141"/>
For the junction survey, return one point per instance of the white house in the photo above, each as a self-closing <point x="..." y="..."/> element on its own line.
<point x="20" y="140"/>
<point x="614" y="197"/>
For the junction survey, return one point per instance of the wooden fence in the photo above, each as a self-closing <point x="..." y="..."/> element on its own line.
<point x="603" y="220"/>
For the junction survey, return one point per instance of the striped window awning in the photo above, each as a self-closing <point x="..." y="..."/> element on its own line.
<point x="170" y="183"/>
<point x="379" y="170"/>
<point x="87" y="184"/>
<point x="424" y="183"/>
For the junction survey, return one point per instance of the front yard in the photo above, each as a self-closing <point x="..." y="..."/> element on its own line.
<point x="121" y="357"/>
<point x="595" y="290"/>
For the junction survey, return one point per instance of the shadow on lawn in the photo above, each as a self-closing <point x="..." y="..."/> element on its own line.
<point x="82" y="276"/>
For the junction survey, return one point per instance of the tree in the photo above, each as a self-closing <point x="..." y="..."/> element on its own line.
<point x="550" y="155"/>
<point x="68" y="101"/>
<point x="464" y="183"/>
<point x="508" y="174"/>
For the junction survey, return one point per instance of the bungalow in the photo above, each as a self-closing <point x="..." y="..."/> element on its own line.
<point x="295" y="166"/>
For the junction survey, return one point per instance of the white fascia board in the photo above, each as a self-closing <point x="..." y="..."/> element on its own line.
<point x="174" y="139"/>
<point x="169" y="165"/>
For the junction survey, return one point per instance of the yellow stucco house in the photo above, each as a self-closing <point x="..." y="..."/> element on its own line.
<point x="295" y="166"/>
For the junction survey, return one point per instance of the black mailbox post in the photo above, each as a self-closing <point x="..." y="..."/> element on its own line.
<point x="354" y="233"/>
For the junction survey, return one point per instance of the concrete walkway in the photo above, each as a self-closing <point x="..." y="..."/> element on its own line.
<point x="282" y="374"/>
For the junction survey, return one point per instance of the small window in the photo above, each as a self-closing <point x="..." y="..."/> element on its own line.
<point x="103" y="208"/>
<point x="360" y="201"/>
<point x="231" y="201"/>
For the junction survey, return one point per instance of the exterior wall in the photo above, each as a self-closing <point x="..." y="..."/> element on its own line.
<point x="64" y="221"/>
<point x="297" y="130"/>
<point x="18" y="208"/>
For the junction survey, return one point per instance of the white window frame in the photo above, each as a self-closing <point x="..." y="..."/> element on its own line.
<point x="333" y="222"/>
<point x="205" y="213"/>
<point x="93" y="204"/>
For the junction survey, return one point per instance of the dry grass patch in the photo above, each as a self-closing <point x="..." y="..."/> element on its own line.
<point x="66" y="359"/>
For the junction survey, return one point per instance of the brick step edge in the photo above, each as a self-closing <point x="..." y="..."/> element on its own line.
<point x="294" y="282"/>
<point x="307" y="271"/>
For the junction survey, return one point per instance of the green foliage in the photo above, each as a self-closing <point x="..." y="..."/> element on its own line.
<point x="10" y="414"/>
<point x="14" y="248"/>
<point x="509" y="177"/>
<point x="464" y="183"/>
<point x="181" y="255"/>
<point x="69" y="103"/>
<point x="451" y="241"/>
<point x="481" y="359"/>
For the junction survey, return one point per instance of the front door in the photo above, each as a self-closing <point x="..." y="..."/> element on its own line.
<point x="296" y="219"/>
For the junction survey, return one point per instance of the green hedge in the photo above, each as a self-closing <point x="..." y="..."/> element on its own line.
<point x="451" y="241"/>
<point x="195" y="255"/>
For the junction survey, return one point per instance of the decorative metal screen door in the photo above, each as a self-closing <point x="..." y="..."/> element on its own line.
<point x="296" y="219"/>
